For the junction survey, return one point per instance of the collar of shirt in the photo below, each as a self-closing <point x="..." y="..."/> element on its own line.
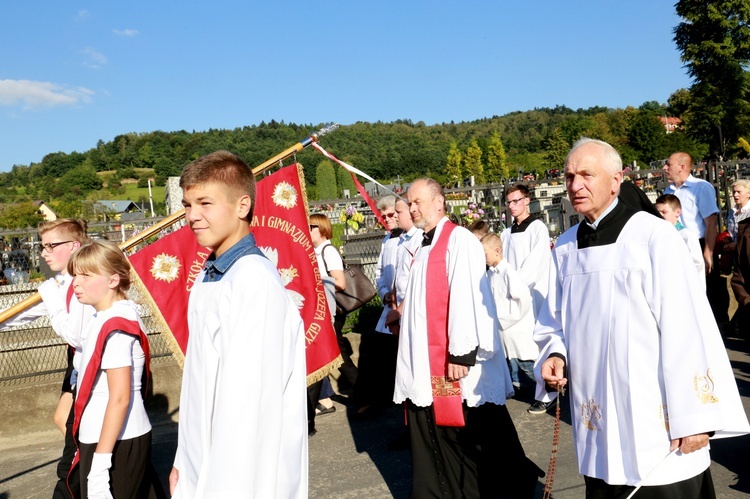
<point x="521" y="226"/>
<point x="427" y="237"/>
<point x="216" y="268"/>
<point x="689" y="182"/>
<point x="595" y="223"/>
<point x="744" y="210"/>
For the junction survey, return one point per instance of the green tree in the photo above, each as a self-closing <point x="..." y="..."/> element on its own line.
<point x="714" y="39"/>
<point x="556" y="150"/>
<point x="473" y="162"/>
<point x="344" y="182"/>
<point x="20" y="216"/>
<point x="326" y="180"/>
<point x="82" y="179"/>
<point x="647" y="136"/>
<point x="497" y="165"/>
<point x="453" y="170"/>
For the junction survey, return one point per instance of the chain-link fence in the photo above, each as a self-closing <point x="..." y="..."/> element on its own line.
<point x="33" y="351"/>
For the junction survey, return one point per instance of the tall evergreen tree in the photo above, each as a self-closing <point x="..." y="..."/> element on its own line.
<point x="326" y="180"/>
<point x="497" y="165"/>
<point x="473" y="162"/>
<point x="453" y="170"/>
<point x="556" y="150"/>
<point x="345" y="182"/>
<point x="714" y="39"/>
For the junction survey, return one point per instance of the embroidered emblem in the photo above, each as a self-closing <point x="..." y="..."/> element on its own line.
<point x="591" y="414"/>
<point x="285" y="195"/>
<point x="287" y="275"/>
<point x="441" y="387"/>
<point x="664" y="416"/>
<point x="165" y="267"/>
<point x="704" y="388"/>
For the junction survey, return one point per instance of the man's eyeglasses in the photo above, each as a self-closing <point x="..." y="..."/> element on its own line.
<point x="51" y="246"/>
<point x="389" y="215"/>
<point x="511" y="202"/>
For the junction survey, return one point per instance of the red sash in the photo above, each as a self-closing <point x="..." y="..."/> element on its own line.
<point x="446" y="395"/>
<point x="86" y="386"/>
<point x="69" y="296"/>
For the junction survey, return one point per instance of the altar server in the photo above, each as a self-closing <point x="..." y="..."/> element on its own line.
<point x="627" y="323"/>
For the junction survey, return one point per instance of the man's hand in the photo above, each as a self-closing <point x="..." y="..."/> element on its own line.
<point x="552" y="372"/>
<point x="690" y="444"/>
<point x="388" y="298"/>
<point x="457" y="372"/>
<point x="174" y="477"/>
<point x="393" y="321"/>
<point x="708" y="259"/>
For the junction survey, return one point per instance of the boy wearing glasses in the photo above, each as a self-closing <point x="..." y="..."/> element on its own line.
<point x="60" y="239"/>
<point x="526" y="248"/>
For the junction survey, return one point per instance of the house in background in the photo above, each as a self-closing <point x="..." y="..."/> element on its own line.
<point x="670" y="123"/>
<point x="46" y="210"/>
<point x="117" y="209"/>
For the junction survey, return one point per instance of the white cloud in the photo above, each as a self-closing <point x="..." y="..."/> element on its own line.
<point x="125" y="32"/>
<point x="41" y="94"/>
<point x="82" y="15"/>
<point x="94" y="58"/>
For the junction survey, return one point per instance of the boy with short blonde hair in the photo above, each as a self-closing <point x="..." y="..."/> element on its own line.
<point x="243" y="415"/>
<point x="59" y="240"/>
<point x="670" y="208"/>
<point x="512" y="301"/>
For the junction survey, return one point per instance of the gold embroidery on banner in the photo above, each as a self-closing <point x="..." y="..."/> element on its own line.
<point x="591" y="414"/>
<point x="165" y="267"/>
<point x="285" y="195"/>
<point x="441" y="387"/>
<point x="664" y="416"/>
<point x="704" y="388"/>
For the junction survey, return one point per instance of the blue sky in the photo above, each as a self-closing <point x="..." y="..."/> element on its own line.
<point x="72" y="73"/>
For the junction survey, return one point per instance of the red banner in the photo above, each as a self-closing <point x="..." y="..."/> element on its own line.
<point x="282" y="231"/>
<point x="169" y="266"/>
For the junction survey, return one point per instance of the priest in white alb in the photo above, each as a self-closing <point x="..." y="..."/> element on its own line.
<point x="451" y="369"/>
<point x="627" y="325"/>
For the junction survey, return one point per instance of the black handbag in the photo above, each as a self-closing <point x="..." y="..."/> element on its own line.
<point x="359" y="289"/>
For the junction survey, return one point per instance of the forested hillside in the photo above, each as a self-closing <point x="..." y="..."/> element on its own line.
<point x="489" y="148"/>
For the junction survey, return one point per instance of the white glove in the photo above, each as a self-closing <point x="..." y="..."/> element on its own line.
<point x="52" y="296"/>
<point x="98" y="479"/>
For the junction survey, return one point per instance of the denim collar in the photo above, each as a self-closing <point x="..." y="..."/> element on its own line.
<point x="216" y="268"/>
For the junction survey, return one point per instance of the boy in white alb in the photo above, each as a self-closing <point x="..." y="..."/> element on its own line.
<point x="68" y="317"/>
<point x="512" y="295"/>
<point x="243" y="410"/>
<point x="670" y="208"/>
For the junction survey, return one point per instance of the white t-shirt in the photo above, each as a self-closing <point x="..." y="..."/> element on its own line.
<point x="121" y="350"/>
<point x="329" y="257"/>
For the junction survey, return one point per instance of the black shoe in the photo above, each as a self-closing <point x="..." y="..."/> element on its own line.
<point x="539" y="407"/>
<point x="320" y="409"/>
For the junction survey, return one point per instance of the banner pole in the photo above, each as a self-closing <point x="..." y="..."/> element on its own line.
<point x="179" y="215"/>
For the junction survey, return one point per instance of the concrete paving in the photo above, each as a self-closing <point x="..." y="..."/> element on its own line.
<point x="350" y="458"/>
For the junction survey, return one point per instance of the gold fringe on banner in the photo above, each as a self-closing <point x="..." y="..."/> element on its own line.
<point x="324" y="371"/>
<point x="144" y="298"/>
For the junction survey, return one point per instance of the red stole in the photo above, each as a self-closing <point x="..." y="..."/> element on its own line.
<point x="86" y="386"/>
<point x="69" y="296"/>
<point x="446" y="395"/>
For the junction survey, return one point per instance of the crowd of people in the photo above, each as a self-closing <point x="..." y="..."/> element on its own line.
<point x="618" y="311"/>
